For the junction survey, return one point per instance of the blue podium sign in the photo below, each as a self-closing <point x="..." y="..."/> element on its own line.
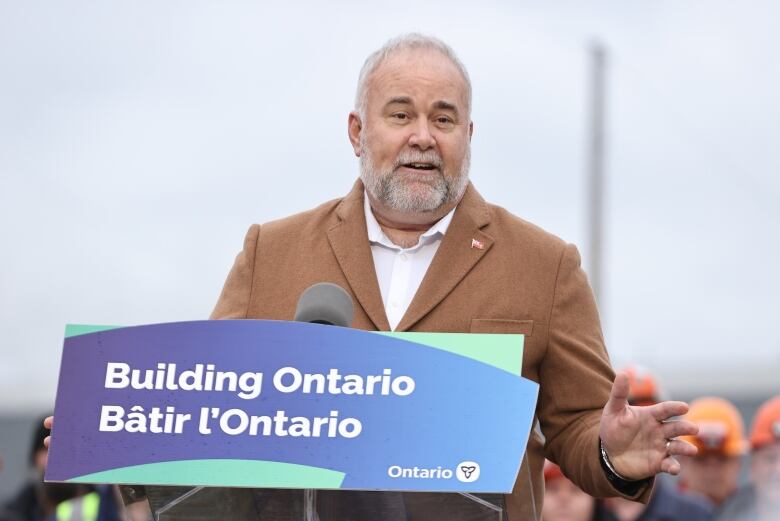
<point x="255" y="403"/>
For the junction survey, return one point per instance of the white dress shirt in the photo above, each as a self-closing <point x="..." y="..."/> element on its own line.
<point x="399" y="270"/>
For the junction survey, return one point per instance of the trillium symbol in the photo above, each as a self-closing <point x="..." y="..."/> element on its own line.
<point x="468" y="471"/>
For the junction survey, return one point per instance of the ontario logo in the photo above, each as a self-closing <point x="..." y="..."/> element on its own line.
<point x="465" y="471"/>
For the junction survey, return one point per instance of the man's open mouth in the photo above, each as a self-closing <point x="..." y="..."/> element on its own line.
<point x="421" y="166"/>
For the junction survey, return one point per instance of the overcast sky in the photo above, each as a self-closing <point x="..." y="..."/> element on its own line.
<point x="139" y="140"/>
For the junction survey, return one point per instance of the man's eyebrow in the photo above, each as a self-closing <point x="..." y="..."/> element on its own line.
<point x="406" y="100"/>
<point x="403" y="100"/>
<point x="445" y="105"/>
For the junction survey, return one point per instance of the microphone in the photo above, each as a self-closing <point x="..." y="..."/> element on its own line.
<point x="325" y="303"/>
<point x="329" y="304"/>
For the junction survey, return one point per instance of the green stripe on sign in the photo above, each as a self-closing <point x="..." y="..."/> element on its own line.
<point x="502" y="351"/>
<point x="84" y="329"/>
<point x="220" y="473"/>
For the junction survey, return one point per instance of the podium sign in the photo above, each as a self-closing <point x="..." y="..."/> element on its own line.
<point x="271" y="404"/>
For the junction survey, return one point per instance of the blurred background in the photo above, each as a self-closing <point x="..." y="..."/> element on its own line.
<point x="138" y="141"/>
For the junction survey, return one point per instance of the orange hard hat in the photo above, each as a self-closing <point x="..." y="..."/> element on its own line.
<point x="643" y="388"/>
<point x="721" y="429"/>
<point x="766" y="424"/>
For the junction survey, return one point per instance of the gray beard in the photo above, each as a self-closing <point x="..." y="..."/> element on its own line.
<point x="392" y="189"/>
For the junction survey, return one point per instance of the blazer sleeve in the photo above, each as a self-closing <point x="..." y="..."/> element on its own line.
<point x="237" y="292"/>
<point x="577" y="378"/>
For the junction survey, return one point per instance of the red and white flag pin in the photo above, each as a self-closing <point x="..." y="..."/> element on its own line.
<point x="477" y="244"/>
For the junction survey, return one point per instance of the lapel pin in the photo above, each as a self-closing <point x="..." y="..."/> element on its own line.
<point x="477" y="244"/>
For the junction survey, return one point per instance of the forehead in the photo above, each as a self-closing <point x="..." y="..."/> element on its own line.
<point x="424" y="75"/>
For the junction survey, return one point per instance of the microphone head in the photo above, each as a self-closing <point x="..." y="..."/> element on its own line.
<point x="325" y="303"/>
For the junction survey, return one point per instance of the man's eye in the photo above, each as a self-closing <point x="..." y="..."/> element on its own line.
<point x="443" y="120"/>
<point x="400" y="115"/>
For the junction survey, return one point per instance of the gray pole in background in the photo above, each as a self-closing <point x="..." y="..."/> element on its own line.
<point x="595" y="184"/>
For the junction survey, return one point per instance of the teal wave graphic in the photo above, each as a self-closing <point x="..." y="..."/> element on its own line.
<point x="502" y="351"/>
<point x="85" y="329"/>
<point x="220" y="473"/>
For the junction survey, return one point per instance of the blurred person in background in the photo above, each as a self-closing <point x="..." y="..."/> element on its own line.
<point x="714" y="471"/>
<point x="36" y="500"/>
<point x="760" y="500"/>
<point x="99" y="504"/>
<point x="563" y="500"/>
<point x="666" y="503"/>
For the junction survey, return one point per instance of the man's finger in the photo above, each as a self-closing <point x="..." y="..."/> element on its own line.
<point x="681" y="448"/>
<point x="47" y="423"/>
<point x="618" y="397"/>
<point x="674" y="428"/>
<point x="670" y="466"/>
<point x="665" y="410"/>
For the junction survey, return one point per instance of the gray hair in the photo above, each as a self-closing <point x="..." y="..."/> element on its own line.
<point x="402" y="43"/>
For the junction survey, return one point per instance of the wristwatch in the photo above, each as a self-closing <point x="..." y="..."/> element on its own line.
<point x="629" y="487"/>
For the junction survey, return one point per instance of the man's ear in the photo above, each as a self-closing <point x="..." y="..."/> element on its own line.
<point x="354" y="128"/>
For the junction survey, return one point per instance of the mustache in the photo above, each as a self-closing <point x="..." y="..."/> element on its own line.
<point x="429" y="156"/>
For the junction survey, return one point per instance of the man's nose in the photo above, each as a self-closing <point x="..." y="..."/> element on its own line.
<point x="421" y="136"/>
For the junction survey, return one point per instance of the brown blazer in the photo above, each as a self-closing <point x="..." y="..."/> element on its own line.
<point x="524" y="280"/>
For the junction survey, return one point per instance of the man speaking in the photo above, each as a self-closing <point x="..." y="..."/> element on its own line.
<point x="418" y="249"/>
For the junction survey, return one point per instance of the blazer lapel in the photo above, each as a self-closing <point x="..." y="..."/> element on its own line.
<point x="349" y="240"/>
<point x="463" y="246"/>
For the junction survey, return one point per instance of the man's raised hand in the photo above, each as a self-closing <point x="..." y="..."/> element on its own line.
<point x="642" y="441"/>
